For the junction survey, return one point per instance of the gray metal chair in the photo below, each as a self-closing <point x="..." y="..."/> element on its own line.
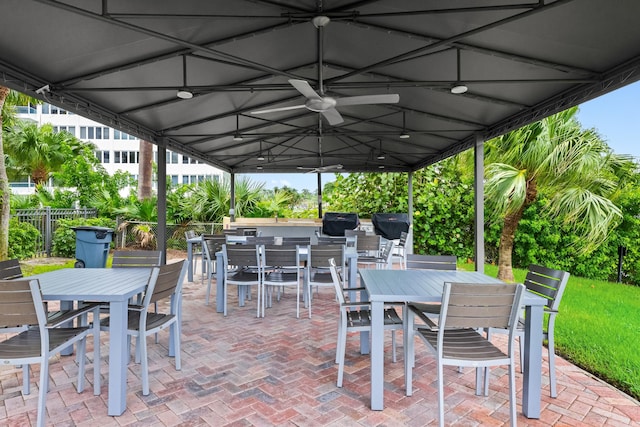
<point x="242" y="267"/>
<point x="429" y="262"/>
<point x="21" y="304"/>
<point x="211" y="244"/>
<point x="549" y="284"/>
<point x="136" y="259"/>
<point x="318" y="273"/>
<point x="382" y="260"/>
<point x="197" y="250"/>
<point x="165" y="283"/>
<point x="467" y="308"/>
<point x="401" y="250"/>
<point x="281" y="267"/>
<point x="356" y="317"/>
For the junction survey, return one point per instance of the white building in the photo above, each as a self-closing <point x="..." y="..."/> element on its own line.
<point x="116" y="150"/>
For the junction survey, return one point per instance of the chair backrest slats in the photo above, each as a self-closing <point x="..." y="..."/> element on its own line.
<point x="213" y="243"/>
<point x="431" y="262"/>
<point x="330" y="240"/>
<point x="131" y="259"/>
<point x="169" y="281"/>
<point x="319" y="255"/>
<point x="280" y="256"/>
<point x="303" y="241"/>
<point x="241" y="255"/>
<point x="260" y="240"/>
<point x="16" y="304"/>
<point x="548" y="283"/>
<point x="368" y="243"/>
<point x="10" y="269"/>
<point x="403" y="239"/>
<point x="473" y="305"/>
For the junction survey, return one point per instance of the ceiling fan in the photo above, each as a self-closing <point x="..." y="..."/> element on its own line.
<point x="319" y="102"/>
<point x="322" y="169"/>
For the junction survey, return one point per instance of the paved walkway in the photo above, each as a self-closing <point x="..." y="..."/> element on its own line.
<point x="243" y="371"/>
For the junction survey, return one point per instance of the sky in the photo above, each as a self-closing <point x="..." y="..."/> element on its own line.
<point x="611" y="115"/>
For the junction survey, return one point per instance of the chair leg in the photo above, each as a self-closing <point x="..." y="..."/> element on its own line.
<point x="26" y="384"/>
<point x="409" y="356"/>
<point x="440" y="394"/>
<point x="512" y="393"/>
<point x="393" y="345"/>
<point x="209" y="275"/>
<point x="82" y="350"/>
<point x="552" y="365"/>
<point x="96" y="352"/>
<point x="342" y="345"/>
<point x="142" y="342"/>
<point x="44" y="387"/>
<point x="176" y="344"/>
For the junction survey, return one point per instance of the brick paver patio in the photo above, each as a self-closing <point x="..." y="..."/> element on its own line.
<point x="279" y="370"/>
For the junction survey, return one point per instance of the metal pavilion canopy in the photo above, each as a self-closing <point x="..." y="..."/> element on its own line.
<point x="123" y="62"/>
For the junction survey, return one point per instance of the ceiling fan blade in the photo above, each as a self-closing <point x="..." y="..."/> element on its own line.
<point x="368" y="99"/>
<point x="304" y="88"/>
<point x="273" y="110"/>
<point x="332" y="116"/>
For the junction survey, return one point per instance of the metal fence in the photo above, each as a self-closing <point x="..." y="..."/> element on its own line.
<point x="46" y="221"/>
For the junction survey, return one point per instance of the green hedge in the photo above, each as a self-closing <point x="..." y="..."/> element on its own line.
<point x="23" y="239"/>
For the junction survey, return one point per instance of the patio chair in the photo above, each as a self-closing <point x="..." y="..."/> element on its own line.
<point x="197" y="251"/>
<point x="242" y="267"/>
<point x="21" y="304"/>
<point x="211" y="244"/>
<point x="550" y="284"/>
<point x="401" y="250"/>
<point x="467" y="307"/>
<point x="355" y="316"/>
<point x="165" y="283"/>
<point x="10" y="269"/>
<point x="428" y="262"/>
<point x="281" y="267"/>
<point x="260" y="240"/>
<point x="381" y="260"/>
<point x="318" y="272"/>
<point x="136" y="259"/>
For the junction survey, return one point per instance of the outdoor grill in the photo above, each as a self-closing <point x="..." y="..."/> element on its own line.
<point x="334" y="223"/>
<point x="390" y="225"/>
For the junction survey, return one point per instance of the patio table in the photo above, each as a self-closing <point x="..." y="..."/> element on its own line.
<point x="386" y="286"/>
<point x="109" y="285"/>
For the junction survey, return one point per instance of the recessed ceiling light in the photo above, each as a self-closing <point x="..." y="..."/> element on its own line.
<point x="381" y="156"/>
<point x="381" y="167"/>
<point x="237" y="137"/>
<point x="184" y="94"/>
<point x="261" y="158"/>
<point x="459" y="89"/>
<point x="404" y="135"/>
<point x="259" y="167"/>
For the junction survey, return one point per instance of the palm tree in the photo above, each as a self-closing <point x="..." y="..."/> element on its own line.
<point x="573" y="167"/>
<point x="39" y="150"/>
<point x="8" y="99"/>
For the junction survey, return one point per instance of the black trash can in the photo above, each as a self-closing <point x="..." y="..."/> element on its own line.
<point x="334" y="223"/>
<point x="390" y="225"/>
<point x="92" y="246"/>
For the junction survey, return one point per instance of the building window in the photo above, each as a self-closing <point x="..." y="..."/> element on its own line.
<point x="83" y="132"/>
<point x="116" y="157"/>
<point x="174" y="179"/>
<point x="116" y="134"/>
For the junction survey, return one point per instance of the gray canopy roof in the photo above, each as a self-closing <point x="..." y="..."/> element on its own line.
<point x="122" y="62"/>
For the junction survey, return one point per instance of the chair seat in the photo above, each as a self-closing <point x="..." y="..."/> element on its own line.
<point x="27" y="344"/>
<point x="321" y="277"/>
<point x="465" y="345"/>
<point x="243" y="276"/>
<point x="281" y="277"/>
<point x="154" y="321"/>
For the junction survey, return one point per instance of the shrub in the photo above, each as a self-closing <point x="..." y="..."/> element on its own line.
<point x="22" y="239"/>
<point x="64" y="238"/>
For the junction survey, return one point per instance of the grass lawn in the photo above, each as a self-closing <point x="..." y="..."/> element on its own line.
<point x="598" y="328"/>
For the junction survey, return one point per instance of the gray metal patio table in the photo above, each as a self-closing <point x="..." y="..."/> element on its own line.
<point x="109" y="285"/>
<point x="385" y="286"/>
